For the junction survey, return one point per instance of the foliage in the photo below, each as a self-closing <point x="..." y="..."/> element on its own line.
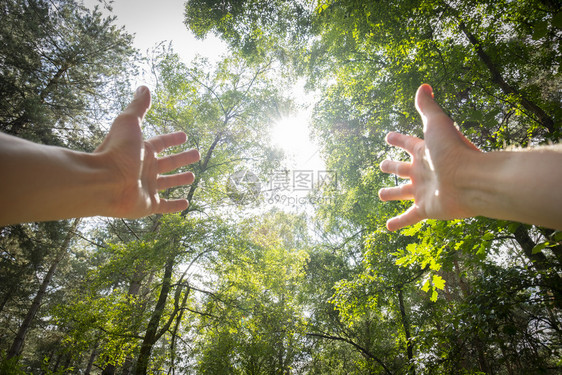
<point x="230" y="287"/>
<point x="58" y="61"/>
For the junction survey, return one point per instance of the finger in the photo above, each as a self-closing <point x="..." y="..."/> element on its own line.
<point x="398" y="168"/>
<point x="429" y="110"/>
<point x="174" y="205"/>
<point x="172" y="162"/>
<point x="140" y="103"/>
<point x="433" y="116"/>
<point x="168" y="181"/>
<point x="398" y="193"/>
<point x="410" y="217"/>
<point x="126" y="127"/>
<point x="162" y="142"/>
<point x="406" y="142"/>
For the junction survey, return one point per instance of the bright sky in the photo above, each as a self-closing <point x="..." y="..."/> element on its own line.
<point x="292" y="134"/>
<point x="155" y="21"/>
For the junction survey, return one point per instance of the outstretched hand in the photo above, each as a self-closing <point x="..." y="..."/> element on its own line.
<point x="141" y="172"/>
<point x="435" y="163"/>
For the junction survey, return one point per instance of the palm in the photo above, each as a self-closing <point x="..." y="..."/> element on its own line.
<point x="432" y="170"/>
<point x="140" y="171"/>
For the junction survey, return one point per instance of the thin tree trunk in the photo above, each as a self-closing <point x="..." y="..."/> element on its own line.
<point x="17" y="345"/>
<point x="7" y="297"/>
<point x="365" y="352"/>
<point x="541" y="116"/>
<point x="109" y="369"/>
<point x="406" y="325"/>
<point x="552" y="280"/>
<point x="480" y="349"/>
<point x="91" y="359"/>
<point x="151" y="335"/>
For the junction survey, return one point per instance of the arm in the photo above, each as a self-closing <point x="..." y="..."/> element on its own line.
<point x="120" y="179"/>
<point x="451" y="179"/>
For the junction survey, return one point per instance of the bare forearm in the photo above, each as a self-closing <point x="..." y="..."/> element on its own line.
<point x="521" y="186"/>
<point x="48" y="183"/>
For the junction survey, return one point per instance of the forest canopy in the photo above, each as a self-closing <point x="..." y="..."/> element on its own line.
<point x="237" y="284"/>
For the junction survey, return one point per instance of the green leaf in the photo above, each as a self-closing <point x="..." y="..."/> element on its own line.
<point x="539" y="247"/>
<point x="434" y="296"/>
<point x="512" y="227"/>
<point x="438" y="282"/>
<point x="425" y="286"/>
<point x="402" y="261"/>
<point x="488" y="236"/>
<point x="413" y="230"/>
<point x="540" y="30"/>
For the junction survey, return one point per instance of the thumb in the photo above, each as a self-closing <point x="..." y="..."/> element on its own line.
<point x="127" y="126"/>
<point x="434" y="119"/>
<point x="140" y="103"/>
<point x="426" y="106"/>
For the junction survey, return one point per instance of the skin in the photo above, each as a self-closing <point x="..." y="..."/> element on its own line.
<point x="450" y="178"/>
<point x="121" y="178"/>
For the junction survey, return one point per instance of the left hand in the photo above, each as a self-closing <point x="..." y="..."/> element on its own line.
<point x="437" y="162"/>
<point x="136" y="166"/>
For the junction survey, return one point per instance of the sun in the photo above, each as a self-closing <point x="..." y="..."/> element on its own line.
<point x="291" y="133"/>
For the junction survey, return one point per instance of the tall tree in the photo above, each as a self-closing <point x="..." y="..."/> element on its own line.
<point x="56" y="64"/>
<point x="495" y="67"/>
<point x="18" y="342"/>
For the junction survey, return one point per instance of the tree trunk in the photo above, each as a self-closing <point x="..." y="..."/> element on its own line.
<point x="91" y="359"/>
<point x="406" y="325"/>
<point x="541" y="116"/>
<point x="109" y="369"/>
<point x="6" y="298"/>
<point x="134" y="290"/>
<point x="481" y="349"/>
<point x="151" y="335"/>
<point x="17" y="345"/>
<point x="551" y="278"/>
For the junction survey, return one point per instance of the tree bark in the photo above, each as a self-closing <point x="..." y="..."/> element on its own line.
<point x="406" y="325"/>
<point x="541" y="116"/>
<point x="361" y="349"/>
<point x="91" y="359"/>
<point x="151" y="335"/>
<point x="17" y="345"/>
<point x="109" y="369"/>
<point x="552" y="280"/>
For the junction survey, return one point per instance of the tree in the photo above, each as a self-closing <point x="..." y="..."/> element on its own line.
<point x="57" y="63"/>
<point x="225" y="119"/>
<point x="228" y="286"/>
<point x="490" y="63"/>
<point x="224" y="115"/>
<point x="252" y="322"/>
<point x="17" y="345"/>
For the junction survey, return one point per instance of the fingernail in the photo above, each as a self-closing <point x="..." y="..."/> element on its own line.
<point x="383" y="164"/>
<point x="140" y="91"/>
<point x="428" y="89"/>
